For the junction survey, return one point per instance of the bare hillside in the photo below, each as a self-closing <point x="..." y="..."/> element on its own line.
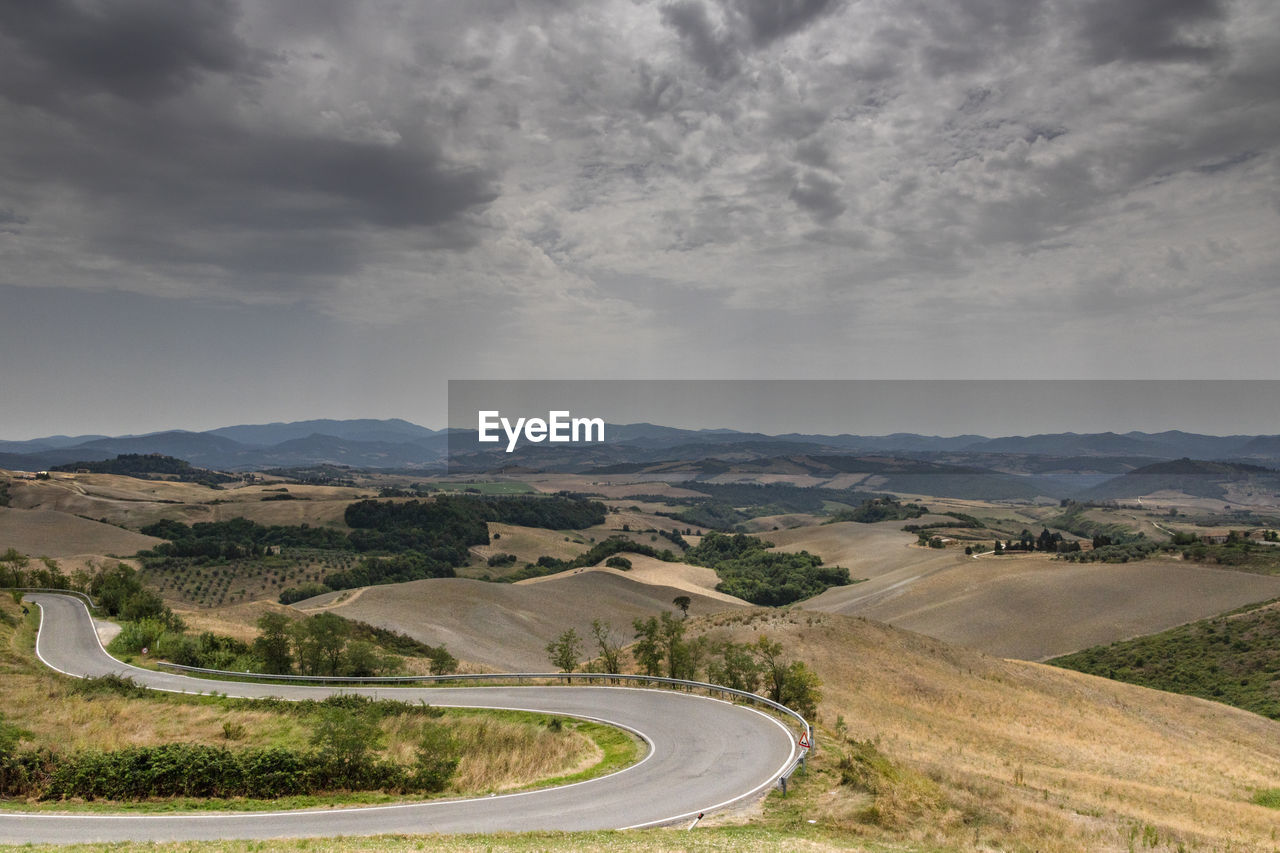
<point x="47" y="533"/>
<point x="137" y="503"/>
<point x="530" y="543"/>
<point x="506" y="627"/>
<point x="866" y="550"/>
<point x="1025" y="606"/>
<point x="1034" y="607"/>
<point x="696" y="580"/>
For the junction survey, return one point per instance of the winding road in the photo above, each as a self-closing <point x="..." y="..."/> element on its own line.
<point x="703" y="754"/>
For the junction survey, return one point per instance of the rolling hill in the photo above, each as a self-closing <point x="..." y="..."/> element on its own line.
<point x="948" y="748"/>
<point x="506" y="627"/>
<point x="1197" y="478"/>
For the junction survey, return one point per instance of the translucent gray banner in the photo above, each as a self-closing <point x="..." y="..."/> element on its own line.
<point x="563" y="423"/>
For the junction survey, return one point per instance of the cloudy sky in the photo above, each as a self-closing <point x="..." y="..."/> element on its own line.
<point x="216" y="212"/>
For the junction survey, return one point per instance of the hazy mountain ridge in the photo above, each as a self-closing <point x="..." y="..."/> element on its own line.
<point x="1093" y="465"/>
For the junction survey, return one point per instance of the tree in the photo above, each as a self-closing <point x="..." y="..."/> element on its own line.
<point x="362" y="659"/>
<point x="683" y="602"/>
<point x="671" y="636"/>
<point x="442" y="663"/>
<point x="789" y="682"/>
<point x="648" y="649"/>
<point x="272" y="646"/>
<point x="565" y="651"/>
<point x="610" y="649"/>
<point x="801" y="689"/>
<point x="772" y="667"/>
<point x="736" y="668"/>
<point x="319" y="641"/>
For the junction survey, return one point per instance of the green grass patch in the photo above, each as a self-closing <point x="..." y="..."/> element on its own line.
<point x="1269" y="797"/>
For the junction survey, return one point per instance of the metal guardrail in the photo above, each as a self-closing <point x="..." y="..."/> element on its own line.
<point x="567" y="677"/>
<point x="84" y="595"/>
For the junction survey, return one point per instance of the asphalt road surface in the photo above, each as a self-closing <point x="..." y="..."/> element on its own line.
<point x="703" y="754"/>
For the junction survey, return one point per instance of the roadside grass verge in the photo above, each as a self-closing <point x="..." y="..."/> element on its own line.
<point x="736" y="839"/>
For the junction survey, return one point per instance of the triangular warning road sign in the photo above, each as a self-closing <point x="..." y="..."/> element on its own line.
<point x="804" y="741"/>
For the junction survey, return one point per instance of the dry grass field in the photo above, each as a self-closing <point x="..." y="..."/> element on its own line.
<point x="529" y="543"/>
<point x="866" y="550"/>
<point x="238" y="620"/>
<point x="999" y="754"/>
<point x="1034" y="607"/>
<point x="42" y="532"/>
<point x="766" y="524"/>
<point x="1025" y="606"/>
<point x="506" y="627"/>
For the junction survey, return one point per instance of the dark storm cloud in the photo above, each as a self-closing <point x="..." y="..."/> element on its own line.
<point x="704" y="43"/>
<point x="137" y="50"/>
<point x="1152" y="30"/>
<point x="658" y="93"/>
<point x="393" y="186"/>
<point x="958" y="37"/>
<point x="819" y="195"/>
<point x="769" y="20"/>
<point x="746" y="25"/>
<point x="209" y="181"/>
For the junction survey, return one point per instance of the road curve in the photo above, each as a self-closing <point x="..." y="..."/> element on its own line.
<point x="703" y="754"/>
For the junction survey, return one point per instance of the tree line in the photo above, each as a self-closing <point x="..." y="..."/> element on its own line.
<point x="323" y="644"/>
<point x="151" y="466"/>
<point x="662" y="648"/>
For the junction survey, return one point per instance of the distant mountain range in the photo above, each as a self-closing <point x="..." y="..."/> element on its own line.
<point x="1060" y="464"/>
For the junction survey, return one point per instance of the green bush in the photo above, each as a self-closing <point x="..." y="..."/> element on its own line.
<point x="344" y="758"/>
<point x="750" y="572"/>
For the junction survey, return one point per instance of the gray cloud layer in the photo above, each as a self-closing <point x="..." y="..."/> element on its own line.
<point x="949" y="181"/>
